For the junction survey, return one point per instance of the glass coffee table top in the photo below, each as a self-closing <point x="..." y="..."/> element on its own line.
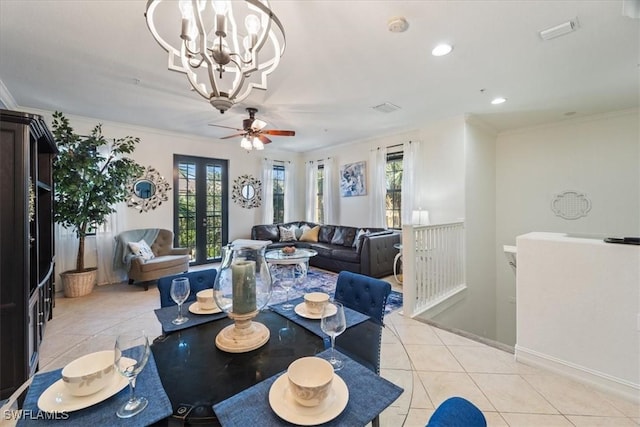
<point x="300" y="254"/>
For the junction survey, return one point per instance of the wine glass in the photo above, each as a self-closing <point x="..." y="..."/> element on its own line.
<point x="130" y="357"/>
<point x="287" y="280"/>
<point x="333" y="324"/>
<point x="179" y="293"/>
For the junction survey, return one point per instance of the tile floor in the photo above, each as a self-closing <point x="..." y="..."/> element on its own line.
<point x="431" y="364"/>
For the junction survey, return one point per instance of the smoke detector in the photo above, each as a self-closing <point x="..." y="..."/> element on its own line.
<point x="398" y="24"/>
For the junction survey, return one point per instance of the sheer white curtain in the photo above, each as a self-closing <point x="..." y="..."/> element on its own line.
<point x="312" y="190"/>
<point x="328" y="193"/>
<point x="409" y="159"/>
<point x="378" y="188"/>
<point x="105" y="244"/>
<point x="289" y="191"/>
<point x="267" y="191"/>
<point x="66" y="251"/>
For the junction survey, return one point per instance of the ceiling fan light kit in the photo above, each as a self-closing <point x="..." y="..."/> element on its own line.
<point x="225" y="48"/>
<point x="253" y="132"/>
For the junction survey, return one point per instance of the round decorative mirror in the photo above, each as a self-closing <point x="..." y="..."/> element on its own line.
<point x="148" y="191"/>
<point x="247" y="192"/>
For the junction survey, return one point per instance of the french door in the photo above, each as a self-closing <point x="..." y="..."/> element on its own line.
<point x="200" y="206"/>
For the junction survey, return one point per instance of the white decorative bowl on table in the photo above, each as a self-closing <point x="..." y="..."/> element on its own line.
<point x="89" y="374"/>
<point x="310" y="380"/>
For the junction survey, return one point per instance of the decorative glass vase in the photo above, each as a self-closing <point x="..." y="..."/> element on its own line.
<point x="241" y="289"/>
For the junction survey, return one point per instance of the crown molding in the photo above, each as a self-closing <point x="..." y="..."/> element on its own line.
<point x="6" y="99"/>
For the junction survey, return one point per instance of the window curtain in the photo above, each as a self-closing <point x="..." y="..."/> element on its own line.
<point x="267" y="189"/>
<point x="105" y="246"/>
<point x="289" y="191"/>
<point x="66" y="251"/>
<point x="409" y="158"/>
<point x="328" y="190"/>
<point x="311" y="192"/>
<point x="378" y="188"/>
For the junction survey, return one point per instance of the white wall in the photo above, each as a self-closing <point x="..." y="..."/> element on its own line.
<point x="156" y="148"/>
<point x="597" y="155"/>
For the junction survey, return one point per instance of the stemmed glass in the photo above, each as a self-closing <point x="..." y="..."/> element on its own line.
<point x="179" y="293"/>
<point x="130" y="357"/>
<point x="333" y="323"/>
<point x="287" y="279"/>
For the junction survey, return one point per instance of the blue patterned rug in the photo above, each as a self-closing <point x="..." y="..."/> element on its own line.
<point x="322" y="281"/>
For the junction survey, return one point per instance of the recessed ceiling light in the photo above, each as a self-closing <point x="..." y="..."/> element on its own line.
<point x="498" y="100"/>
<point x="442" y="49"/>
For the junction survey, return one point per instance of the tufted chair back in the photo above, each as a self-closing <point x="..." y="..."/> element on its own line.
<point x="163" y="243"/>
<point x="363" y="294"/>
<point x="198" y="281"/>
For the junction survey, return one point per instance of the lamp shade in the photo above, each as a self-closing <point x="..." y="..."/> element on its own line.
<point x="420" y="217"/>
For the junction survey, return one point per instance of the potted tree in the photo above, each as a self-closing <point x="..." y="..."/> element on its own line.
<point x="91" y="174"/>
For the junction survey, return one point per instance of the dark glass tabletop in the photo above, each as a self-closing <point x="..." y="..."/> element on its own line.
<point x="196" y="375"/>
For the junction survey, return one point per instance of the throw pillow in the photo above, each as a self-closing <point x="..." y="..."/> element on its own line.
<point x="311" y="235"/>
<point x="300" y="230"/>
<point x="357" y="241"/>
<point x="288" y="234"/>
<point x="141" y="249"/>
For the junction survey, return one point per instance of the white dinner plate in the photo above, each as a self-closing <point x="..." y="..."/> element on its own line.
<point x="284" y="405"/>
<point x="301" y="310"/>
<point x="196" y="309"/>
<point x="56" y="398"/>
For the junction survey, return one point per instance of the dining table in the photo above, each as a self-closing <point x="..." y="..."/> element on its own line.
<point x="197" y="376"/>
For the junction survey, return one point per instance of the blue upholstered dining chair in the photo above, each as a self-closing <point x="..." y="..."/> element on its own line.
<point x="198" y="281"/>
<point x="457" y="412"/>
<point x="366" y="295"/>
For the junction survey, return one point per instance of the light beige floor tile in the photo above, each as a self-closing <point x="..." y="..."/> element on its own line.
<point x="389" y="335"/>
<point x="536" y="420"/>
<point x="571" y="397"/>
<point x="402" y="378"/>
<point x="629" y="408"/>
<point x="485" y="359"/>
<point x="432" y="358"/>
<point x="393" y="356"/>
<point x="511" y="393"/>
<point x="418" y="417"/>
<point x="417" y="334"/>
<point x="442" y="385"/>
<point x="451" y="339"/>
<point x="420" y="398"/>
<point x="392" y="417"/>
<point x="58" y="344"/>
<point x="590" y="421"/>
<point x="494" y="419"/>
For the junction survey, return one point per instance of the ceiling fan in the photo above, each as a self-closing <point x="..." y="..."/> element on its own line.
<point x="253" y="132"/>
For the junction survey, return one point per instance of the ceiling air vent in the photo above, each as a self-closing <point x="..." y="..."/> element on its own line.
<point x="387" y="107"/>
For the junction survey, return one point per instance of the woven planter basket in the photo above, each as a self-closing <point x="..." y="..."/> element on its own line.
<point x="79" y="284"/>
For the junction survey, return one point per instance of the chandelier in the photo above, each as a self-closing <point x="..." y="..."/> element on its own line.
<point x="222" y="59"/>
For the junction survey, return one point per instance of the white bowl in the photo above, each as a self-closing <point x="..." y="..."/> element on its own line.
<point x="205" y="299"/>
<point x="90" y="373"/>
<point x="310" y="380"/>
<point x="314" y="302"/>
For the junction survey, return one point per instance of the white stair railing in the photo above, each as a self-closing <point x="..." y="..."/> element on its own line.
<point x="433" y="265"/>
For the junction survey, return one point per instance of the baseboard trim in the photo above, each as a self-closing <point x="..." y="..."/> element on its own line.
<point x="597" y="379"/>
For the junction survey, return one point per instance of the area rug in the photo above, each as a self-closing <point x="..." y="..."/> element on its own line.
<point x="322" y="281"/>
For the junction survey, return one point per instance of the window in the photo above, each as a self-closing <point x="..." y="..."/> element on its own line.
<point x="393" y="200"/>
<point x="278" y="194"/>
<point x="320" y="194"/>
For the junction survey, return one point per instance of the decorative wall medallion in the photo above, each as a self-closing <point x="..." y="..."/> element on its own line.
<point x="571" y="205"/>
<point x="247" y="192"/>
<point x="148" y="191"/>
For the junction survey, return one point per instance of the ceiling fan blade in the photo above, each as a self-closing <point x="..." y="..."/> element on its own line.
<point x="264" y="139"/>
<point x="258" y="124"/>
<point x="226" y="127"/>
<point x="233" y="136"/>
<point x="276" y="132"/>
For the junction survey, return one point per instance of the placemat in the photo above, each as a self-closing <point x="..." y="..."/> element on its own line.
<point x="369" y="395"/>
<point x="104" y="413"/>
<point x="166" y="314"/>
<point x="313" y="325"/>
